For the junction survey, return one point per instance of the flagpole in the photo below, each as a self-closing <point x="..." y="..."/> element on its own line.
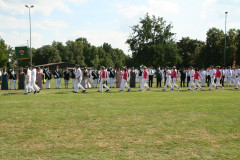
<point x="29" y="7"/>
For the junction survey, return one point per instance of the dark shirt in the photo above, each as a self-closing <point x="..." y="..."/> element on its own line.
<point x="183" y="74"/>
<point x="66" y="75"/>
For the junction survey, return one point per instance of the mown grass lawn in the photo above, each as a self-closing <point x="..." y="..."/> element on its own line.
<point x="58" y="124"/>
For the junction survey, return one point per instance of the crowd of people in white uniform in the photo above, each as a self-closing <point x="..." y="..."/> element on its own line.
<point x="142" y="77"/>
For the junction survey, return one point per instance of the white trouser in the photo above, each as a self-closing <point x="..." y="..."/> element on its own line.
<point x="212" y="83"/>
<point x="218" y="82"/>
<point x="12" y="82"/>
<point x="123" y="85"/>
<point x="48" y="83"/>
<point x="202" y="81"/>
<point x="196" y="84"/>
<point x="140" y="81"/>
<point x="174" y="83"/>
<point x="102" y="84"/>
<point x="73" y="82"/>
<point x="111" y="81"/>
<point x="144" y="84"/>
<point x="168" y="83"/>
<point x="34" y="87"/>
<point x="27" y="87"/>
<point x="228" y="81"/>
<point x="57" y="82"/>
<point x="77" y="85"/>
<point x="237" y="81"/>
<point x="191" y="83"/>
<point x="233" y="80"/>
<point x="94" y="84"/>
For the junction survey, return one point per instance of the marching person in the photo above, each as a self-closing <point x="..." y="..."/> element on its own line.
<point x="125" y="81"/>
<point x="203" y="79"/>
<point x="95" y="78"/>
<point x="218" y="77"/>
<point x="103" y="81"/>
<point x="213" y="76"/>
<point x="168" y="78"/>
<point x="66" y="76"/>
<point x="28" y="87"/>
<point x="132" y="78"/>
<point x="229" y="76"/>
<point x="57" y="76"/>
<point x="174" y="76"/>
<point x="12" y="78"/>
<point x="78" y="79"/>
<point x="191" y="73"/>
<point x="118" y="78"/>
<point x="144" y="79"/>
<point x="197" y="77"/>
<point x="34" y="88"/>
<point x="237" y="77"/>
<point x="48" y="77"/>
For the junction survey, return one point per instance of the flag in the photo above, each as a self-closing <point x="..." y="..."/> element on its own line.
<point x="21" y="52"/>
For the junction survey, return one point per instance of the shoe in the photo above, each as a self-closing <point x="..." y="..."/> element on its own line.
<point x="189" y="89"/>
<point x="25" y="93"/>
<point x="200" y="89"/>
<point x="38" y="91"/>
<point x="171" y="89"/>
<point x="129" y="90"/>
<point x="84" y="91"/>
<point x="149" y="89"/>
<point x="109" y="90"/>
<point x="236" y="88"/>
<point x="34" y="92"/>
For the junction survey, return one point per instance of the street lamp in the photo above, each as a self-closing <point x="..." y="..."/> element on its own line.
<point x="225" y="39"/>
<point x="29" y="7"/>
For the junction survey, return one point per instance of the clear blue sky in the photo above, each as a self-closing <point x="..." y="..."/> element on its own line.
<point x="109" y="20"/>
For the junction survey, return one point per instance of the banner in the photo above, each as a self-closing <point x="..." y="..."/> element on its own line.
<point x="21" y="52"/>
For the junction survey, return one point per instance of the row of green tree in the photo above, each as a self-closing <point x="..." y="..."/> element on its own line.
<point x="151" y="42"/>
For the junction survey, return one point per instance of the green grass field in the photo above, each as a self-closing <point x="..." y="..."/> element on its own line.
<point x="58" y="124"/>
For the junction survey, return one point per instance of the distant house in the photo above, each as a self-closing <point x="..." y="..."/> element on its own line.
<point x="62" y="65"/>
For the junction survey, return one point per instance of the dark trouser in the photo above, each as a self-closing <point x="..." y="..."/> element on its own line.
<point x="188" y="80"/>
<point x="159" y="82"/>
<point x="208" y="80"/>
<point x="182" y="84"/>
<point x="222" y="80"/>
<point x="150" y="80"/>
<point x="165" y="81"/>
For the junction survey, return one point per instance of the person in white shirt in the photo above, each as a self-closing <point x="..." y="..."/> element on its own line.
<point x="213" y="76"/>
<point x="34" y="87"/>
<point x="203" y="75"/>
<point x="28" y="87"/>
<point x="237" y="76"/>
<point x="168" y="78"/>
<point x="150" y="76"/>
<point x="229" y="76"/>
<point x="78" y="79"/>
<point x="191" y="72"/>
